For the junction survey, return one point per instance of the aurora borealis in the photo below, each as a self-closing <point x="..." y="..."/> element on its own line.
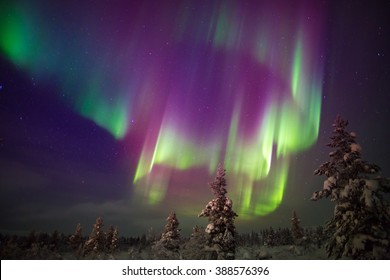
<point x="136" y="102"/>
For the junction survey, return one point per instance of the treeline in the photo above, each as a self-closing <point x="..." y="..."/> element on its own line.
<point x="283" y="236"/>
<point x="56" y="245"/>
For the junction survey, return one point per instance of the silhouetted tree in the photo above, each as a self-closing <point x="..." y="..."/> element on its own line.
<point x="55" y="240"/>
<point x="295" y="227"/>
<point x="269" y="237"/>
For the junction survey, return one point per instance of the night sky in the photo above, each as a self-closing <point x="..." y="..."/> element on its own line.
<point x="123" y="110"/>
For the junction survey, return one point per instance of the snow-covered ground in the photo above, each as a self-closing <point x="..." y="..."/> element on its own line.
<point x="285" y="252"/>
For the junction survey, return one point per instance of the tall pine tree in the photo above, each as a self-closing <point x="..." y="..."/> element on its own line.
<point x="76" y="241"/>
<point x="360" y="227"/>
<point x="95" y="246"/>
<point x="112" y="240"/>
<point x="221" y="228"/>
<point x="296" y="229"/>
<point x="169" y="244"/>
<point x="193" y="248"/>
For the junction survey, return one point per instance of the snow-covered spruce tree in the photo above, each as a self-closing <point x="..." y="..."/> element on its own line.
<point x="54" y="241"/>
<point x="296" y="229"/>
<point x="112" y="240"/>
<point x="76" y="241"/>
<point x="95" y="246"/>
<point x="360" y="227"/>
<point x="270" y="238"/>
<point x="152" y="236"/>
<point x="221" y="228"/>
<point x="193" y="248"/>
<point x="169" y="244"/>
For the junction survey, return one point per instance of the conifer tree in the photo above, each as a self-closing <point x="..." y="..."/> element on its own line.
<point x="360" y="227"/>
<point x="76" y="241"/>
<point x="54" y="241"/>
<point x="270" y="237"/>
<point x="152" y="236"/>
<point x="112" y="240"/>
<point x="221" y="228"/>
<point x="193" y="248"/>
<point x="295" y="227"/>
<point x="169" y="244"/>
<point x="96" y="243"/>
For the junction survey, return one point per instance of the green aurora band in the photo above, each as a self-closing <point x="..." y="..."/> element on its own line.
<point x="257" y="165"/>
<point x="23" y="39"/>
